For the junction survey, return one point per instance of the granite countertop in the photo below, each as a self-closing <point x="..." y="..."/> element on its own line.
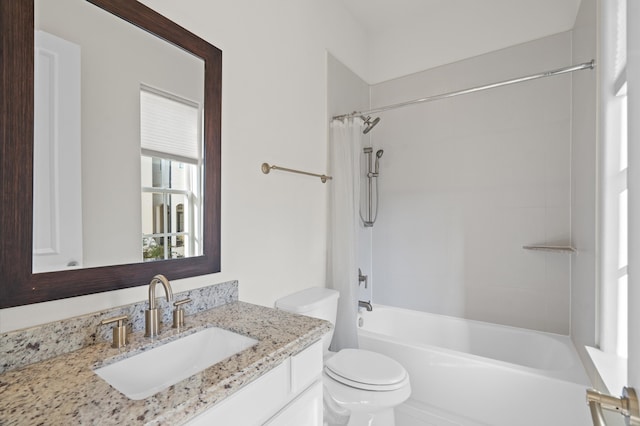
<point x="64" y="390"/>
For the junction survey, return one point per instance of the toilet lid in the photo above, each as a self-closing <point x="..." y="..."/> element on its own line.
<point x="366" y="370"/>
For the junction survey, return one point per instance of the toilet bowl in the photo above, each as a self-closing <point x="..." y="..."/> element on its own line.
<point x="360" y="387"/>
<point x="365" y="384"/>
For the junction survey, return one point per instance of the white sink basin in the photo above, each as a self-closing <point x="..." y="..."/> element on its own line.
<point x="145" y="374"/>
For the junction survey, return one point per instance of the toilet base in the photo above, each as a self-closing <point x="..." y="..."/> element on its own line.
<point x="336" y="415"/>
<point x="380" y="418"/>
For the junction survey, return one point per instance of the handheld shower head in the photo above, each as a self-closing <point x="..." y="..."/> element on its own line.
<point x="369" y="123"/>
<point x="378" y="156"/>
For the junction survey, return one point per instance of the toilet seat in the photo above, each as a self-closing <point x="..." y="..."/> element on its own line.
<point x="366" y="370"/>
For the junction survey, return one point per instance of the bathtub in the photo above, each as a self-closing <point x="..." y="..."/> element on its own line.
<point x="472" y="373"/>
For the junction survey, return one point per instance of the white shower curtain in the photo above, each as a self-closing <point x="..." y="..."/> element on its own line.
<point x="345" y="146"/>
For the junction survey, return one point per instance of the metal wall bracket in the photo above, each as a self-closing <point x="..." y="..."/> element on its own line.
<point x="627" y="405"/>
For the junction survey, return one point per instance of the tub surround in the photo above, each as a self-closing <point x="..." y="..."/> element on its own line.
<point x="65" y="390"/>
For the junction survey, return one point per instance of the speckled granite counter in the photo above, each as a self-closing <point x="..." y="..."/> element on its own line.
<point x="64" y="390"/>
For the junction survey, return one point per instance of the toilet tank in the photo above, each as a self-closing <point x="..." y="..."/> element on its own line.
<point x="317" y="302"/>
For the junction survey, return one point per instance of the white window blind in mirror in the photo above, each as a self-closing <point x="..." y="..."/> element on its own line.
<point x="169" y="127"/>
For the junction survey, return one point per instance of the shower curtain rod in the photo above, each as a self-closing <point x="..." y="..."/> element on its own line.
<point x="582" y="66"/>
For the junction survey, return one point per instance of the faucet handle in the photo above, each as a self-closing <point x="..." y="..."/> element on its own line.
<point x="363" y="278"/>
<point x="178" y="313"/>
<point x="119" y="330"/>
<point x="181" y="302"/>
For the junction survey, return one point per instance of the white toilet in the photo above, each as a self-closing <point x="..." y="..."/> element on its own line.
<point x="360" y="387"/>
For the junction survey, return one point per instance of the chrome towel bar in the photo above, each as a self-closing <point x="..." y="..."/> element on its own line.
<point x="557" y="249"/>
<point x="266" y="168"/>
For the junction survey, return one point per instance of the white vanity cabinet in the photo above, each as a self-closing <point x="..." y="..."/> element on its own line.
<point x="289" y="394"/>
<point x="305" y="410"/>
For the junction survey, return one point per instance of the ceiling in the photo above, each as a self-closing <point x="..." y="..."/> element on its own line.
<point x="412" y="35"/>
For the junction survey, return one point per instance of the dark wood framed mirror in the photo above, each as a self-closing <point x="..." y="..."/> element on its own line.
<point x="18" y="284"/>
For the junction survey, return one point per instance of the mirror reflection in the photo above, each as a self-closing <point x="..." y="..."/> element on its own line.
<point x="118" y="142"/>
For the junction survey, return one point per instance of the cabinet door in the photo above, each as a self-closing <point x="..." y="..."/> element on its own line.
<point x="305" y="410"/>
<point x="252" y="404"/>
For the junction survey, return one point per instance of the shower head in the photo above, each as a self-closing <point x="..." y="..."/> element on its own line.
<point x="378" y="155"/>
<point x="369" y="123"/>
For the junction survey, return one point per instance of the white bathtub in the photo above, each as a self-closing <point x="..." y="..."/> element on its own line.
<point x="473" y="373"/>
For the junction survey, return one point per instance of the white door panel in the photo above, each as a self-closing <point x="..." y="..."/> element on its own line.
<point x="57" y="203"/>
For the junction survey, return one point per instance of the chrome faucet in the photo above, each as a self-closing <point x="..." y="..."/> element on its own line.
<point x="152" y="321"/>
<point x="367" y="305"/>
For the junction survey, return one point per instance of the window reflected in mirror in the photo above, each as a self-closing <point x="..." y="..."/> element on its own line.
<point x="170" y="176"/>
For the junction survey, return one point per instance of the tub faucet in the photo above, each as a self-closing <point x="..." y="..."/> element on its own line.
<point x="152" y="321"/>
<point x="367" y="305"/>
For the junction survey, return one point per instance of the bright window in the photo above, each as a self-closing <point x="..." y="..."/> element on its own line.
<point x="170" y="176"/>
<point x="613" y="191"/>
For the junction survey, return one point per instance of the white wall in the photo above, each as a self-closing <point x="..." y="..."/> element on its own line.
<point x="442" y="32"/>
<point x="466" y="182"/>
<point x="273" y="110"/>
